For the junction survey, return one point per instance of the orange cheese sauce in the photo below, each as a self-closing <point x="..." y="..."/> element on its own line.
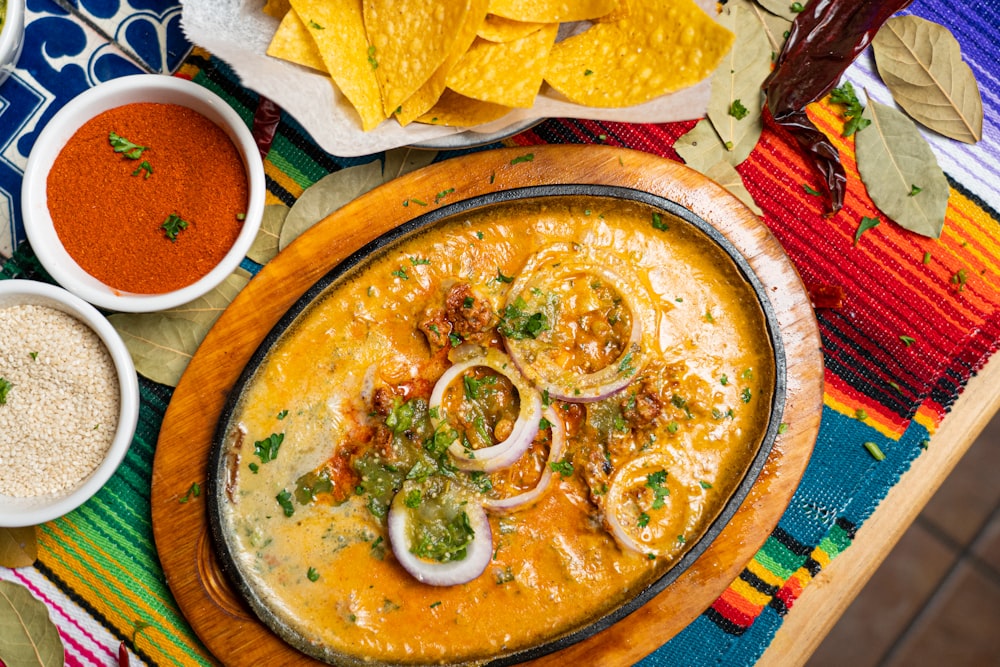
<point x="327" y="571"/>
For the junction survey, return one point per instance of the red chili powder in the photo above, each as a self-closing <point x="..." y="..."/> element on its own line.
<point x="109" y="216"/>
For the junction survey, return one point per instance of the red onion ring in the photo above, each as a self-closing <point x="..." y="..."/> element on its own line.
<point x="449" y="573"/>
<point x="552" y="265"/>
<point x="552" y="416"/>
<point x="660" y="536"/>
<point x="525" y="428"/>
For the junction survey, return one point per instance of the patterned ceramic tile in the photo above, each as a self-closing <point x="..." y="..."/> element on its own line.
<point x="148" y="29"/>
<point x="61" y="58"/>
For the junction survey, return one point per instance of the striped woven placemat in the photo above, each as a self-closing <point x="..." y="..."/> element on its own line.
<point x="898" y="351"/>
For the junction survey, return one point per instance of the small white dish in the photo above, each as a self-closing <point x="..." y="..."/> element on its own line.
<point x="156" y="88"/>
<point x="31" y="511"/>
<point x="11" y="38"/>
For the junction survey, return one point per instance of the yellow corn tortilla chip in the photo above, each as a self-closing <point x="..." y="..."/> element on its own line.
<point x="499" y="29"/>
<point x="459" y="111"/>
<point x="658" y="48"/>
<point x="276" y="8"/>
<point x="410" y="40"/>
<point x="552" y="11"/>
<point x="292" y="42"/>
<point x="427" y="95"/>
<point x="339" y="32"/>
<point x="508" y="73"/>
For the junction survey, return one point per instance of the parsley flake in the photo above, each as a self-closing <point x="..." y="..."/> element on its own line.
<point x="737" y="110"/>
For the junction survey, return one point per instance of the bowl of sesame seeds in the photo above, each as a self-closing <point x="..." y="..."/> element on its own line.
<point x="69" y="402"/>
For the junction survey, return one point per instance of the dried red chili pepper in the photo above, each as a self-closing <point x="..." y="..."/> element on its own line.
<point x="265" y="123"/>
<point x="123" y="657"/>
<point x="825" y="296"/>
<point x="824" y="40"/>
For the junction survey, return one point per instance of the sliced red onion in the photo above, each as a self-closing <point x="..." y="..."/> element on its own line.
<point x="552" y="416"/>
<point x="525" y="427"/>
<point x="552" y="265"/>
<point x="450" y="573"/>
<point x="662" y="535"/>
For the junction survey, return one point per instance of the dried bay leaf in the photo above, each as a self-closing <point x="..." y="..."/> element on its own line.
<point x="327" y="195"/>
<point x="401" y="161"/>
<point x="162" y="343"/>
<point x="726" y="175"/>
<point x="776" y="29"/>
<point x="900" y="171"/>
<point x="265" y="245"/>
<point x="701" y="147"/>
<point x="737" y="82"/>
<point x="27" y="634"/>
<point x="702" y="150"/>
<point x="18" y="547"/>
<point x="921" y="63"/>
<point x="782" y="8"/>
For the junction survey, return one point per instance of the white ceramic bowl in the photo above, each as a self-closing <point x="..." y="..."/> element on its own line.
<point x="11" y="38"/>
<point x="39" y="509"/>
<point x="157" y="88"/>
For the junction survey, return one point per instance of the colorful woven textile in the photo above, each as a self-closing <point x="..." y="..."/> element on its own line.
<point x="919" y="317"/>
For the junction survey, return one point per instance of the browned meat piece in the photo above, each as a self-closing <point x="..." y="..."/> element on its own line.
<point x="642" y="407"/>
<point x="468" y="312"/>
<point x="436" y="328"/>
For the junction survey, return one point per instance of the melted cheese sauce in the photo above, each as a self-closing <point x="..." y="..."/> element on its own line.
<point x="327" y="571"/>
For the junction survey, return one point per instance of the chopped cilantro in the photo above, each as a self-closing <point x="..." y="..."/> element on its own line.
<point x="657" y="482"/>
<point x="852" y="113"/>
<point x="267" y="449"/>
<point x="563" y="467"/>
<point x="737" y="110"/>
<point x="285" y="501"/>
<point x="865" y="224"/>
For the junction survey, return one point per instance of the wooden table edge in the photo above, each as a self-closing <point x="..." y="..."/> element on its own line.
<point x="825" y="600"/>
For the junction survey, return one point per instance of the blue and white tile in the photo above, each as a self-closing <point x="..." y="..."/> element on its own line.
<point x="62" y="57"/>
<point x="148" y="29"/>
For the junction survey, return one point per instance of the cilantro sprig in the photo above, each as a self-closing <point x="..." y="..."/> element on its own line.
<point x="852" y="112"/>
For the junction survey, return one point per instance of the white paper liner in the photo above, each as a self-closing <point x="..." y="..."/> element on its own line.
<point x="238" y="32"/>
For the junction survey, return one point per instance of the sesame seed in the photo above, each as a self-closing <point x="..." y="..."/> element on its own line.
<point x="62" y="407"/>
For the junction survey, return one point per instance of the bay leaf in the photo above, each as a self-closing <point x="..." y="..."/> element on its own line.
<point x="162" y="343"/>
<point x="921" y="63"/>
<point x="27" y="634"/>
<point x="265" y="245"/>
<point x="737" y="82"/>
<point x="775" y="28"/>
<point x="401" y="161"/>
<point x="18" y="547"/>
<point x="900" y="171"/>
<point x="783" y="8"/>
<point x="701" y="147"/>
<point x="726" y="175"/>
<point x="327" y="195"/>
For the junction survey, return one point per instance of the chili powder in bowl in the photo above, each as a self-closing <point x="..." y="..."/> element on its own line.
<point x="143" y="193"/>
<point x="69" y="402"/>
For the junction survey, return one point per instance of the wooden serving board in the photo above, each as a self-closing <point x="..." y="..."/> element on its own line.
<point x="220" y="618"/>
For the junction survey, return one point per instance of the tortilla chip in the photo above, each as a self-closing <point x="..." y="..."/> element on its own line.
<point x="508" y="73"/>
<point x="339" y="32"/>
<point x="658" y="48"/>
<point x="410" y="40"/>
<point x="427" y="95"/>
<point x="292" y="42"/>
<point x="499" y="29"/>
<point x="459" y="111"/>
<point x="552" y="11"/>
<point x="276" y="8"/>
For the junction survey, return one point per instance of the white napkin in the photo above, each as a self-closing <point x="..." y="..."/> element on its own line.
<point x="238" y="32"/>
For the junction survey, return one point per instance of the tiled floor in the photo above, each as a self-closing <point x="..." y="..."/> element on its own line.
<point x="935" y="601"/>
